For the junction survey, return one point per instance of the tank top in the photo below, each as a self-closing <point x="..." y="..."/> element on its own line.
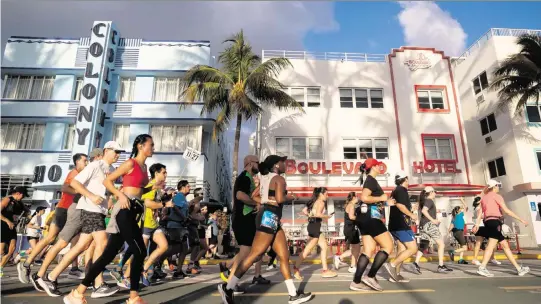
<point x="347" y="220"/>
<point x="13" y="208"/>
<point x="137" y="178"/>
<point x="264" y="185"/>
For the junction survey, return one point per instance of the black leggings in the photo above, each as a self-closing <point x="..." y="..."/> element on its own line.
<point x="130" y="233"/>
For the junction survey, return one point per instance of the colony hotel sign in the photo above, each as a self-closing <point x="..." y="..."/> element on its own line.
<point x="95" y="92"/>
<point x="435" y="167"/>
<point x="421" y="62"/>
<point x="323" y="167"/>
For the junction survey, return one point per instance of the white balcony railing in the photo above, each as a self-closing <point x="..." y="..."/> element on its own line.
<point x="331" y="56"/>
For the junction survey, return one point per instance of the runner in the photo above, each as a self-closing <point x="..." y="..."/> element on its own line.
<point x="315" y="209"/>
<point x="400" y="220"/>
<point x="201" y="228"/>
<point x="61" y="215"/>
<point x="480" y="235"/>
<point x="123" y="225"/>
<point x="372" y="228"/>
<point x="429" y="225"/>
<point x="194" y="221"/>
<point x="351" y="234"/>
<point x="92" y="208"/>
<point x="11" y="206"/>
<point x="269" y="230"/>
<point x="457" y="229"/>
<point x="33" y="232"/>
<point x="212" y="232"/>
<point x="493" y="207"/>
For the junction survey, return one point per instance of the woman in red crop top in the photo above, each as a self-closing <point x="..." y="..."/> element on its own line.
<point x="126" y="214"/>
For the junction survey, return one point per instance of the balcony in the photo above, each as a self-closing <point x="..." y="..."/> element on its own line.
<point x="154" y="110"/>
<point x="39" y="108"/>
<point x="328" y="56"/>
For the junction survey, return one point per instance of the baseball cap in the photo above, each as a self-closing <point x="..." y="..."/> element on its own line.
<point x="250" y="158"/>
<point x="95" y="153"/>
<point x="113" y="145"/>
<point x="429" y="189"/>
<point x="371" y="162"/>
<point x="493" y="183"/>
<point x="271" y="160"/>
<point x="400" y="175"/>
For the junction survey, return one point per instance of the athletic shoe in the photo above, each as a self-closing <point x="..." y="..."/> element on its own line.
<point x="352" y="269"/>
<point x="76" y="274"/>
<point x="224" y="272"/>
<point x="226" y="294"/>
<point x="392" y="271"/>
<point x="192" y="271"/>
<point x="179" y="274"/>
<point x="476" y="262"/>
<point x="328" y="274"/>
<point x="124" y="284"/>
<point x="50" y="287"/>
<point x="372" y="283"/>
<point x="145" y="279"/>
<point x="300" y="298"/>
<point x="495" y="262"/>
<point x="24" y="273"/>
<point x="271" y="267"/>
<point x="444" y="269"/>
<point x="238" y="290"/>
<point x="34" y="279"/>
<point x="452" y="255"/>
<point x="400" y="278"/>
<point x="523" y="270"/>
<point x="359" y="287"/>
<point x="338" y="262"/>
<point x="2" y="275"/>
<point x="260" y="280"/>
<point x="416" y="268"/>
<point x="161" y="275"/>
<point x="72" y="299"/>
<point x="297" y="273"/>
<point x="38" y="262"/>
<point x="463" y="262"/>
<point x="484" y="272"/>
<point x="116" y="275"/>
<point x="105" y="290"/>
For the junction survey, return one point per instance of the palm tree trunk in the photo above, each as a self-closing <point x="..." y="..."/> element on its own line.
<point x="236" y="150"/>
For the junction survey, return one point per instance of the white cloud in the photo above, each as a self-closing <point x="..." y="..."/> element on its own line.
<point x="426" y="24"/>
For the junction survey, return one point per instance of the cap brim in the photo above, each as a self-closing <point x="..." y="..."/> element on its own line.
<point x="283" y="158"/>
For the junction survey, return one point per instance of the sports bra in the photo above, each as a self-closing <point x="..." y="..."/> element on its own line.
<point x="136" y="178"/>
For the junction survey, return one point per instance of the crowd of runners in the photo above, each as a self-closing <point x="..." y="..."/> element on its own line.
<point x="147" y="224"/>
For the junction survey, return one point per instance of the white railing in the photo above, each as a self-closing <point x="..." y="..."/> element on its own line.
<point x="331" y="56"/>
<point x="489" y="34"/>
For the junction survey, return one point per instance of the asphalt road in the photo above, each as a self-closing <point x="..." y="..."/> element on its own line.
<point x="463" y="285"/>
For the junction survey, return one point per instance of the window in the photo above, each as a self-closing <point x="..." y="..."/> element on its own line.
<point x="300" y="147"/>
<point x="533" y="113"/>
<point x="126" y="89"/>
<point x="166" y="89"/>
<point x="363" y="148"/>
<point x="69" y="137"/>
<point x="307" y="97"/>
<point x="78" y="87"/>
<point x="480" y="83"/>
<point x="171" y="138"/>
<point x="28" y="87"/>
<point x="121" y="135"/>
<point x="438" y="148"/>
<point x="488" y="124"/>
<point x="496" y="167"/>
<point x="364" y="98"/>
<point x="21" y="136"/>
<point x="431" y="99"/>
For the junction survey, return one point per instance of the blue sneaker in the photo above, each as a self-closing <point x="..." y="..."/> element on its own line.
<point x="145" y="279"/>
<point x="125" y="283"/>
<point x="116" y="275"/>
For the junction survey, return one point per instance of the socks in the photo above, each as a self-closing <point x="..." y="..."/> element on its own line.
<point x="232" y="282"/>
<point x="379" y="260"/>
<point x="291" y="287"/>
<point x="362" y="263"/>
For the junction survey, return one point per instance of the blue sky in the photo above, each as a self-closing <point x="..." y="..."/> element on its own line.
<point x="374" y="27"/>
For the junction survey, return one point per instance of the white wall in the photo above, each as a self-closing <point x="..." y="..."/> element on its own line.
<point x="176" y="57"/>
<point x="40" y="53"/>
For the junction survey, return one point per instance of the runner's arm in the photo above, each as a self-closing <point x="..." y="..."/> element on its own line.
<point x="509" y="212"/>
<point x="245" y="198"/>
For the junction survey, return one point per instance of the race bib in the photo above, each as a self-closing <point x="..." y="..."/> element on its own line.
<point x="269" y="220"/>
<point x="375" y="212"/>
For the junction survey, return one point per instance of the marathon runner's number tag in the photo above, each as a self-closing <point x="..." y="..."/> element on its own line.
<point x="375" y="212"/>
<point x="269" y="220"/>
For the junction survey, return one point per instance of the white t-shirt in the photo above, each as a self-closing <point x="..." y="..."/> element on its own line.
<point x="32" y="232"/>
<point x="92" y="178"/>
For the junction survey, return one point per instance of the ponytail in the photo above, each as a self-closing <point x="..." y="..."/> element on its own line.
<point x="362" y="172"/>
<point x="422" y="199"/>
<point x="139" y="140"/>
<point x="315" y="195"/>
<point x="455" y="211"/>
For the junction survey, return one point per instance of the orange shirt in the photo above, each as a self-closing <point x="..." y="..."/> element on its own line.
<point x="67" y="199"/>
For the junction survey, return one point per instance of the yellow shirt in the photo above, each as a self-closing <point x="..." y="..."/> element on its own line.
<point x="150" y="220"/>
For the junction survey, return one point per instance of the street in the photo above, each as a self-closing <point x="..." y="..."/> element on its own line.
<point x="463" y="285"/>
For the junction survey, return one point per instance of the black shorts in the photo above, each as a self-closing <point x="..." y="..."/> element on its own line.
<point x="29" y="238"/>
<point x="177" y="235"/>
<point x="213" y="240"/>
<point x="244" y="228"/>
<point x="201" y="232"/>
<point x="60" y="217"/>
<point x="493" y="230"/>
<point x="268" y="219"/>
<point x="459" y="236"/>
<point x="481" y="232"/>
<point x="8" y="234"/>
<point x="351" y="235"/>
<point x="372" y="227"/>
<point x="314" y="228"/>
<point x="193" y="236"/>
<point x="92" y="222"/>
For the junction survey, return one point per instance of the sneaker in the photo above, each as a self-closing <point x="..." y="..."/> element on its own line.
<point x="50" y="287"/>
<point x="238" y="290"/>
<point x="484" y="272"/>
<point x="71" y="298"/>
<point x="476" y="262"/>
<point x="192" y="271"/>
<point x="161" y="275"/>
<point x="352" y="269"/>
<point x="124" y="284"/>
<point x="24" y="273"/>
<point x="224" y="272"/>
<point x="495" y="262"/>
<point x="372" y="283"/>
<point x="34" y="280"/>
<point x="145" y="279"/>
<point x="297" y="273"/>
<point x="116" y="275"/>
<point x="328" y="274"/>
<point x="76" y="274"/>
<point x="300" y="298"/>
<point x="523" y="270"/>
<point x="105" y="290"/>
<point x="271" y="267"/>
<point x="463" y="262"/>
<point x="260" y="280"/>
<point x="452" y="255"/>
<point x="400" y="278"/>
<point x="226" y="294"/>
<point x="359" y="287"/>
<point x="392" y="271"/>
<point x="179" y="274"/>
<point x="416" y="268"/>
<point x="338" y="262"/>
<point x="38" y="262"/>
<point x="444" y="269"/>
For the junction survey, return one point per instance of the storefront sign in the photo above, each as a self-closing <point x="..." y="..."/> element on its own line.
<point x="435" y="167"/>
<point x="421" y="62"/>
<point x="50" y="175"/>
<point x="100" y="62"/>
<point x="323" y="167"/>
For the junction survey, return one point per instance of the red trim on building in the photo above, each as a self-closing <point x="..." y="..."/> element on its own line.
<point x="445" y="110"/>
<point x="415" y="48"/>
<point x="451" y="136"/>
<point x="396" y="115"/>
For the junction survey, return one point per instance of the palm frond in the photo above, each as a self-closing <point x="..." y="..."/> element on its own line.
<point x="205" y="73"/>
<point x="222" y="120"/>
<point x="273" y="67"/>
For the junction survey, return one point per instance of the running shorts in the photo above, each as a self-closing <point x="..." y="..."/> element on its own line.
<point x="213" y="240"/>
<point x="177" y="235"/>
<point x="8" y="234"/>
<point x="268" y="219"/>
<point x="60" y="217"/>
<point x="74" y="224"/>
<point x="193" y="236"/>
<point x="351" y="235"/>
<point x="493" y="230"/>
<point x="201" y="232"/>
<point x="404" y="236"/>
<point x="92" y="221"/>
<point x="244" y="228"/>
<point x="149" y="232"/>
<point x="29" y="238"/>
<point x="459" y="236"/>
<point x="430" y="232"/>
<point x="372" y="227"/>
<point x="481" y="232"/>
<point x="314" y="228"/>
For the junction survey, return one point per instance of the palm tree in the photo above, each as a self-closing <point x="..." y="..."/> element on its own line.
<point x="240" y="89"/>
<point x="519" y="76"/>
